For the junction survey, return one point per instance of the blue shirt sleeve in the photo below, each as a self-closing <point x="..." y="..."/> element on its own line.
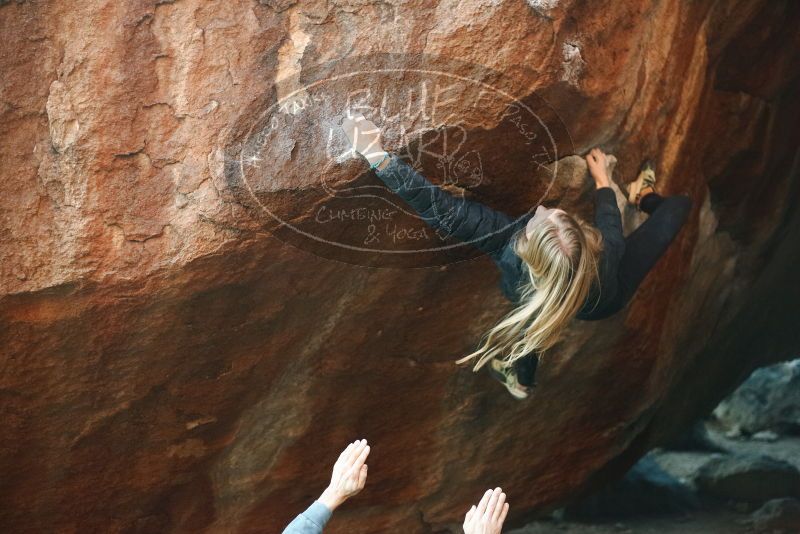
<point x="312" y="521"/>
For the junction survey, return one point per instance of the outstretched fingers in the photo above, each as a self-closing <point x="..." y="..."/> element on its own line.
<point x="360" y="462"/>
<point x="488" y="516"/>
<point x="346" y="452"/>
<point x="499" y="505"/>
<point x="347" y="456"/>
<point x="503" y="513"/>
<point x="363" y="452"/>
<point x="490" y="506"/>
<point x="362" y="477"/>
<point x="484" y="503"/>
<point x="356" y="474"/>
<point x="470" y="514"/>
<point x="357" y="457"/>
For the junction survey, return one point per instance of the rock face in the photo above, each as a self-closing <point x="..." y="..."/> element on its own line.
<point x="193" y="325"/>
<point x="749" y="479"/>
<point x="645" y="490"/>
<point x="777" y="515"/>
<point x="767" y="401"/>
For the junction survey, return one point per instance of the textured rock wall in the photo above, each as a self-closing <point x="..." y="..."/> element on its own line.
<point x="169" y="364"/>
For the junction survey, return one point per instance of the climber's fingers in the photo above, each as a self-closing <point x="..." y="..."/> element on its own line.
<point x="366" y="127"/>
<point x="595" y="157"/>
<point x="358" y="128"/>
<point x="597" y="154"/>
<point x="350" y="131"/>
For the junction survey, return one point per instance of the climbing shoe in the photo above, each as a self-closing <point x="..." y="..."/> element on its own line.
<point x="507" y="375"/>
<point x="646" y="180"/>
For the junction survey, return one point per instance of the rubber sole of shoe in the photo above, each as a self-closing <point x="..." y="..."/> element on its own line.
<point x="642" y="182"/>
<point x="500" y="377"/>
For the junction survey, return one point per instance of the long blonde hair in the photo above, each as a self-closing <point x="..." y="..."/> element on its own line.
<point x="561" y="259"/>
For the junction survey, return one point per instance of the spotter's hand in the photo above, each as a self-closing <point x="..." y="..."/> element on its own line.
<point x="349" y="475"/>
<point x="488" y="516"/>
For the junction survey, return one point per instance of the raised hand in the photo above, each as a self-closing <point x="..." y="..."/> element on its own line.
<point x="349" y="475"/>
<point x="488" y="516"/>
<point x="365" y="137"/>
<point x="598" y="167"/>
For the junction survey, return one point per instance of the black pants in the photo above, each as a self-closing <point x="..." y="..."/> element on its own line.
<point x="643" y="248"/>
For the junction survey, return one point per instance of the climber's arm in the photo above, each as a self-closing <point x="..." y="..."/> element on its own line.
<point x="608" y="220"/>
<point x="466" y="220"/>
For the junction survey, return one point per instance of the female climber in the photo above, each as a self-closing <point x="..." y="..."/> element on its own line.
<point x="553" y="265"/>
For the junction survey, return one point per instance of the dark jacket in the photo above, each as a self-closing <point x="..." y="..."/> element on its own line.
<point x="493" y="232"/>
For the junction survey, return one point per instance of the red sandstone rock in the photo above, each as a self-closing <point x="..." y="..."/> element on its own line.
<point x="169" y="364"/>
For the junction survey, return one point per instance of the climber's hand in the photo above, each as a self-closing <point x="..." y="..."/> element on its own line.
<point x="488" y="516"/>
<point x="598" y="167"/>
<point x="349" y="475"/>
<point x="364" y="136"/>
